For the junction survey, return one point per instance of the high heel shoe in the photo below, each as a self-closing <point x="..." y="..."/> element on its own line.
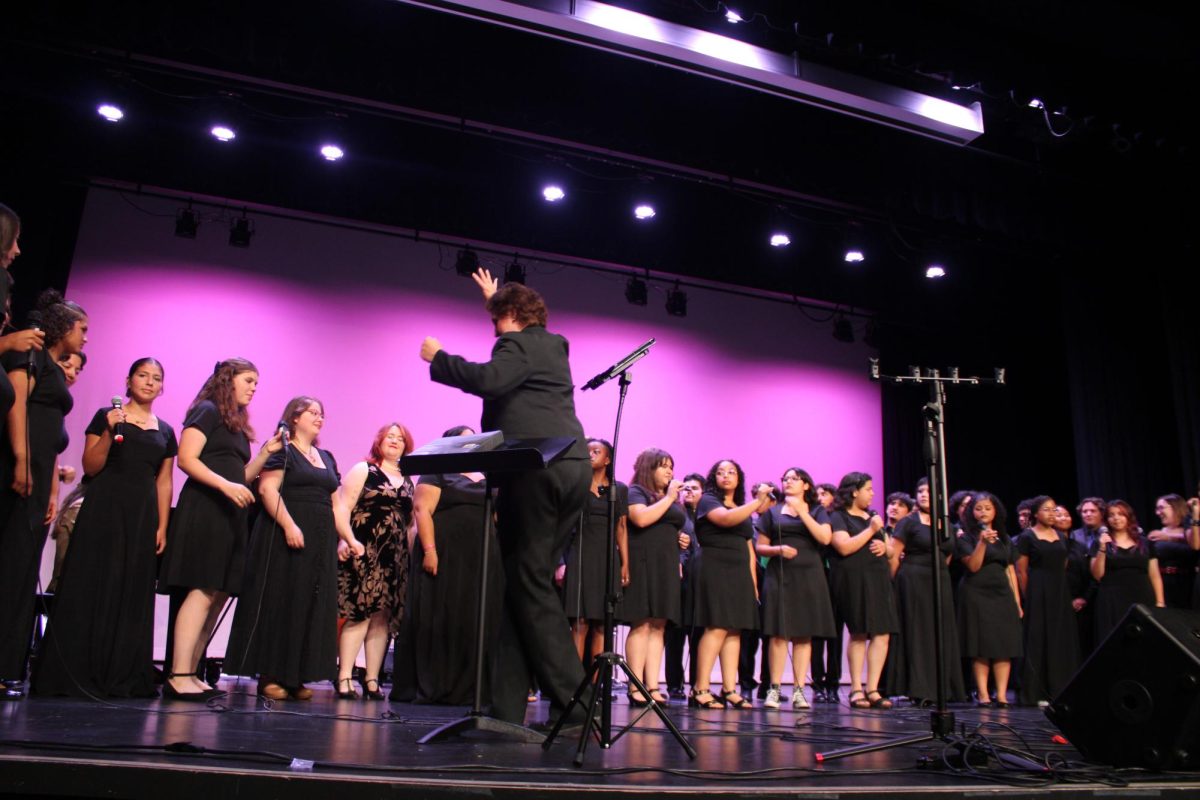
<point x="348" y="693"/>
<point x="697" y="700"/>
<point x="635" y="702"/>
<point x="368" y="692"/>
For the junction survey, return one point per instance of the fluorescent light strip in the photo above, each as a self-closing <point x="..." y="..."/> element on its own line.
<point x="617" y="30"/>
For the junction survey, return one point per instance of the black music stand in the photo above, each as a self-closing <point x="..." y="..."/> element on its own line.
<point x="488" y="453"/>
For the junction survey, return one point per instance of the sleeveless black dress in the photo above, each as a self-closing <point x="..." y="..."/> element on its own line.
<point x="22" y="531"/>
<point x="102" y="631"/>
<point x="285" y="626"/>
<point x="379" y="578"/>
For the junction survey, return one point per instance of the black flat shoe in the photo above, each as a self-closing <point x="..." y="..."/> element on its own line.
<point x="169" y="692"/>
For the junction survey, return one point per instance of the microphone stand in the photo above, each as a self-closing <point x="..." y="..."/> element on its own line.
<point x="941" y="720"/>
<point x="601" y="670"/>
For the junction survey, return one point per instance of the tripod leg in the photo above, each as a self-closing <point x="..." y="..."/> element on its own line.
<point x="656" y="708"/>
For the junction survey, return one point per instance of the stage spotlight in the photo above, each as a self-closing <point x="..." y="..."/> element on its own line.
<point x="223" y="133"/>
<point x="935" y="271"/>
<point x="644" y="212"/>
<point x="553" y="194"/>
<point x="466" y="262"/>
<point x="514" y="273"/>
<point x="331" y="152"/>
<point x="1036" y="103"/>
<point x="110" y="112"/>
<point x="843" y="331"/>
<point x="186" y="223"/>
<point x="240" y="232"/>
<point x="636" y="292"/>
<point x="780" y="240"/>
<point x="677" y="302"/>
<point x="855" y="257"/>
<point x="732" y="16"/>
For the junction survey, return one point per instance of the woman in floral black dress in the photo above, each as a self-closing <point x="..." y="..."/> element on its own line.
<point x="371" y="589"/>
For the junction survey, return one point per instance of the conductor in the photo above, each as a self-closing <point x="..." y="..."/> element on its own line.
<point x="528" y="394"/>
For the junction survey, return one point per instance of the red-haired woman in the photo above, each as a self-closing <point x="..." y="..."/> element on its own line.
<point x="376" y="497"/>
<point x="206" y="540"/>
<point x="285" y="627"/>
<point x="1125" y="566"/>
<point x="656" y="520"/>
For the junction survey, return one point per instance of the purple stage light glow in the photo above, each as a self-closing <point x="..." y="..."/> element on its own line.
<point x="780" y="240"/>
<point x="732" y="16"/>
<point x="644" y="212"/>
<point x="223" y="133"/>
<point x="935" y="271"/>
<point x="855" y="257"/>
<point x="310" y="293"/>
<point x="331" y="152"/>
<point x="553" y="194"/>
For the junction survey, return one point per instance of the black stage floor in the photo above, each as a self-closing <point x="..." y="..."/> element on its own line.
<point x="241" y="747"/>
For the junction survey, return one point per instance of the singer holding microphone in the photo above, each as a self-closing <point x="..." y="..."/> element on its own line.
<point x="989" y="600"/>
<point x="102" y="629"/>
<point x="206" y="541"/>
<point x="1125" y="566"/>
<point x="652" y="596"/>
<point x="27" y="466"/>
<point x="285" y="627"/>
<point x="862" y="586"/>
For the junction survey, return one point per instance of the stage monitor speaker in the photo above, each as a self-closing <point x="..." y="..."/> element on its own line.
<point x="1136" y="701"/>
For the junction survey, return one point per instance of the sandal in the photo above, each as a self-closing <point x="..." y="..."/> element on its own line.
<point x="735" y="700"/>
<point x="637" y="702"/>
<point x="697" y="700"/>
<point x="861" y="702"/>
<point x="368" y="692"/>
<point x="659" y="697"/>
<point x="879" y="701"/>
<point x="348" y="693"/>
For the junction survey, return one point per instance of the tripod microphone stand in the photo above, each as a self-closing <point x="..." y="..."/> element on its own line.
<point x="941" y="720"/>
<point x="601" y="670"/>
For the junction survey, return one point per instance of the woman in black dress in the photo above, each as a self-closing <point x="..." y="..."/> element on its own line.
<point x="206" y="538"/>
<point x="652" y="597"/>
<point x="285" y="626"/>
<point x="27" y="464"/>
<point x="377" y="497"/>
<point x="102" y="630"/>
<point x="1176" y="558"/>
<point x="795" y="596"/>
<point x="725" y="599"/>
<point x="1125" y="566"/>
<point x="1051" y="640"/>
<point x="989" y="601"/>
<point x="862" y="586"/>
<point x="437" y="646"/>
<point x="584" y="585"/>
<point x="911" y="659"/>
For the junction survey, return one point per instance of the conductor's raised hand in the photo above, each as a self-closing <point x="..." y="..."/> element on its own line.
<point x="430" y="348"/>
<point x="486" y="283"/>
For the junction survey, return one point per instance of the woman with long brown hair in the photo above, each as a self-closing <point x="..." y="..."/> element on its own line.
<point x="285" y="627"/>
<point x="652" y="598"/>
<point x="1125" y="566"/>
<point x="1176" y="558"/>
<point x="206" y="539"/>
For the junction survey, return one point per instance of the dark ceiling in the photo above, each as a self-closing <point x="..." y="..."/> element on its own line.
<point x="452" y="126"/>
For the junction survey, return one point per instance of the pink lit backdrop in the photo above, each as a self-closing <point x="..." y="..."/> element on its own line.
<point x="340" y="314"/>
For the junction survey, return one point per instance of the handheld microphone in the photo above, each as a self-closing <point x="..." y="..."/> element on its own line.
<point x="34" y="320"/>
<point x="283" y="430"/>
<point x="118" y="429"/>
